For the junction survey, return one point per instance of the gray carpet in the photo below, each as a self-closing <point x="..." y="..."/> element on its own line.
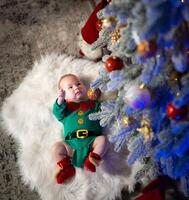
<point x="29" y="29"/>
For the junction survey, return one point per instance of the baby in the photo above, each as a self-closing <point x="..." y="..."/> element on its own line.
<point x="83" y="145"/>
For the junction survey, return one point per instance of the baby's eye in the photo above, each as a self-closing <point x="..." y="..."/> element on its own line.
<point x="70" y="87"/>
<point x="79" y="84"/>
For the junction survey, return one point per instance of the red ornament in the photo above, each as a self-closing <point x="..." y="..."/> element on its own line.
<point x="176" y="113"/>
<point x="99" y="24"/>
<point x="113" y="63"/>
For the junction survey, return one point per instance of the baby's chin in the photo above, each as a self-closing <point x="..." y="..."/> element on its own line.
<point x="80" y="98"/>
<point x="77" y="99"/>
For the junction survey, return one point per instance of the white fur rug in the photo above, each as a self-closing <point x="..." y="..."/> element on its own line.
<point x="28" y="118"/>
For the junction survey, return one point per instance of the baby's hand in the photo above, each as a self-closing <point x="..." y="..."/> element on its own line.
<point x="61" y="96"/>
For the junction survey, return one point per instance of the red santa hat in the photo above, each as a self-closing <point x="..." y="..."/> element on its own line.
<point x="90" y="34"/>
<point x="155" y="190"/>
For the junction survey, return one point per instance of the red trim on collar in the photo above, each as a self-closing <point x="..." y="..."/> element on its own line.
<point x="83" y="105"/>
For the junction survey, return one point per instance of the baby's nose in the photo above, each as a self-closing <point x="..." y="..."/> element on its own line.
<point x="75" y="87"/>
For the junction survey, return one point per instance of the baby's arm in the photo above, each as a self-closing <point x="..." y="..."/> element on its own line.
<point x="61" y="97"/>
<point x="59" y="106"/>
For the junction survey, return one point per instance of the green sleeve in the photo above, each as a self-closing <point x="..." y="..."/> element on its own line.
<point x="59" y="110"/>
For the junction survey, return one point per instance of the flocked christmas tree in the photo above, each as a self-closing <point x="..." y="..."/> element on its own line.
<point x="147" y="67"/>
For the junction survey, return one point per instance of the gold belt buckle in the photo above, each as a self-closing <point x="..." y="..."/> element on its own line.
<point x="82" y="133"/>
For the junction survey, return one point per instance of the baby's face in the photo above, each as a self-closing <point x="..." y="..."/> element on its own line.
<point x="74" y="89"/>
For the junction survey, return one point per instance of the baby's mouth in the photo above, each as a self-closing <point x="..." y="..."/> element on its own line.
<point x="77" y="93"/>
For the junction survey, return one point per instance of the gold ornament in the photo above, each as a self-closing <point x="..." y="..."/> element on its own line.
<point x="115" y="36"/>
<point x="143" y="47"/>
<point x="145" y="129"/>
<point x="109" y="22"/>
<point x="126" y="120"/>
<point x="93" y="94"/>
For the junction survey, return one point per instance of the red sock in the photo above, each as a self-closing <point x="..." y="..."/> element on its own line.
<point x="64" y="162"/>
<point x="88" y="165"/>
<point x="67" y="170"/>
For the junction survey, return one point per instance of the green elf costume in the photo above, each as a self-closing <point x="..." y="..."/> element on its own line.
<point x="79" y="132"/>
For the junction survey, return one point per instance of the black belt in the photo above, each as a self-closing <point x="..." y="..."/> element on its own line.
<point x="81" y="134"/>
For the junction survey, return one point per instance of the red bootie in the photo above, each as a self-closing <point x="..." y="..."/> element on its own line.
<point x="66" y="170"/>
<point x="92" y="161"/>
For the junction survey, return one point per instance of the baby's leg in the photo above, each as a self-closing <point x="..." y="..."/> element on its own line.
<point x="60" y="150"/>
<point x="62" y="153"/>
<point x="100" y="145"/>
